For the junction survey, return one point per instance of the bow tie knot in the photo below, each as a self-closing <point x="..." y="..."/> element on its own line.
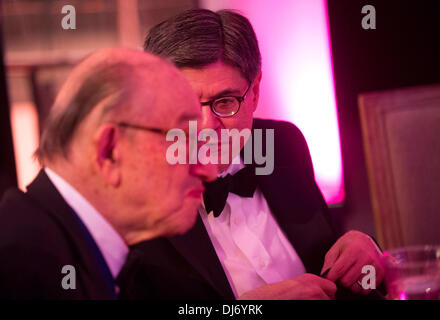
<point x="243" y="183"/>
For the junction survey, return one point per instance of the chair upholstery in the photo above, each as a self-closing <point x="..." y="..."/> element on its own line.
<point x="401" y="135"/>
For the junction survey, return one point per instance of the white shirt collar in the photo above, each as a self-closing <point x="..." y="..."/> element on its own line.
<point x="109" y="242"/>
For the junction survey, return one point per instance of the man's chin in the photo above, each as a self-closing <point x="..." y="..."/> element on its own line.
<point x="188" y="220"/>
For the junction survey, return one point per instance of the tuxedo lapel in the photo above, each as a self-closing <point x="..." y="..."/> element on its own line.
<point x="97" y="277"/>
<point x="305" y="226"/>
<point x="293" y="196"/>
<point x="196" y="247"/>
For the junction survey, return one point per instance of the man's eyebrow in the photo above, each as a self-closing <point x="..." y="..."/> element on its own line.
<point x="226" y="92"/>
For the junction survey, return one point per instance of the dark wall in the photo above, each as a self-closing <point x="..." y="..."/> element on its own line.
<point x="402" y="51"/>
<point x="7" y="163"/>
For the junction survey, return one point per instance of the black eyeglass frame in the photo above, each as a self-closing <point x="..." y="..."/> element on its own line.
<point x="238" y="98"/>
<point x="139" y="127"/>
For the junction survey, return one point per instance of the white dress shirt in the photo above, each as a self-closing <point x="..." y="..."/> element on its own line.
<point x="250" y="245"/>
<point x="109" y="242"/>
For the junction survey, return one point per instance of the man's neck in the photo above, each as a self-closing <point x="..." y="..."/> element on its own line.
<point x="84" y="184"/>
<point x="222" y="168"/>
<point x="96" y="195"/>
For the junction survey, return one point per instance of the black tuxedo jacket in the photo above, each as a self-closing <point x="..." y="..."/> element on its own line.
<point x="187" y="267"/>
<point x="39" y="234"/>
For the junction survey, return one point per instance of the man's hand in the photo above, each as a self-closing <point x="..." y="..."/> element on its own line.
<point x="348" y="256"/>
<point x="304" y="287"/>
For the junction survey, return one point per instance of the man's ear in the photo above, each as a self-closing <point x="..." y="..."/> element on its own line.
<point x="256" y="90"/>
<point x="108" y="153"/>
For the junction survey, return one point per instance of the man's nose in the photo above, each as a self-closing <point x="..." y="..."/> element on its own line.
<point x="205" y="172"/>
<point x="209" y="119"/>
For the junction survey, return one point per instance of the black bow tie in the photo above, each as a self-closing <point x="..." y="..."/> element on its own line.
<point x="243" y="183"/>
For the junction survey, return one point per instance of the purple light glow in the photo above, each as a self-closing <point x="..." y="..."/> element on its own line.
<point x="402" y="296"/>
<point x="297" y="84"/>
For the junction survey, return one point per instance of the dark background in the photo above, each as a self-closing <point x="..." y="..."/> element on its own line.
<point x="402" y="51"/>
<point x="7" y="163"/>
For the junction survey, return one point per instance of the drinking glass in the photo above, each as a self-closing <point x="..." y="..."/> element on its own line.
<point x="413" y="273"/>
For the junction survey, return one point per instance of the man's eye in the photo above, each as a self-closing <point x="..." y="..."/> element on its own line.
<point x="224" y="102"/>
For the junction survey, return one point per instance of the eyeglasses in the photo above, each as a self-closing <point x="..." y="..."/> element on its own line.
<point x="163" y="132"/>
<point x="139" y="127"/>
<point x="224" y="107"/>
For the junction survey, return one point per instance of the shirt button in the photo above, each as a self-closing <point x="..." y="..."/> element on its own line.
<point x="236" y="221"/>
<point x="262" y="264"/>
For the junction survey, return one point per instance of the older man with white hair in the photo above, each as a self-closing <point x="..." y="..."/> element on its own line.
<point x="105" y="182"/>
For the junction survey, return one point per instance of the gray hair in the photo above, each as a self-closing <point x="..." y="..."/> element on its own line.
<point x="104" y="81"/>
<point x="199" y="37"/>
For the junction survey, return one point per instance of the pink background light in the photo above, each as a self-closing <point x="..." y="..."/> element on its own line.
<point x="297" y="84"/>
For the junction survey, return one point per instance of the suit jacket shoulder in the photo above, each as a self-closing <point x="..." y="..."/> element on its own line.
<point x="39" y="235"/>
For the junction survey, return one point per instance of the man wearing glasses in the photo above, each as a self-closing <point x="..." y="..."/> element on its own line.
<point x="256" y="237"/>
<point x="105" y="182"/>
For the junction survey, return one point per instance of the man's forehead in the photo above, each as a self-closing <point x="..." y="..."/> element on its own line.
<point x="166" y="106"/>
<point x="180" y="118"/>
<point x="164" y="121"/>
<point x="214" y="80"/>
<point x="188" y="116"/>
<point x="164" y="99"/>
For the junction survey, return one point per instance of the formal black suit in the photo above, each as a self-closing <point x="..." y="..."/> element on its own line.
<point x="39" y="234"/>
<point x="187" y="267"/>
